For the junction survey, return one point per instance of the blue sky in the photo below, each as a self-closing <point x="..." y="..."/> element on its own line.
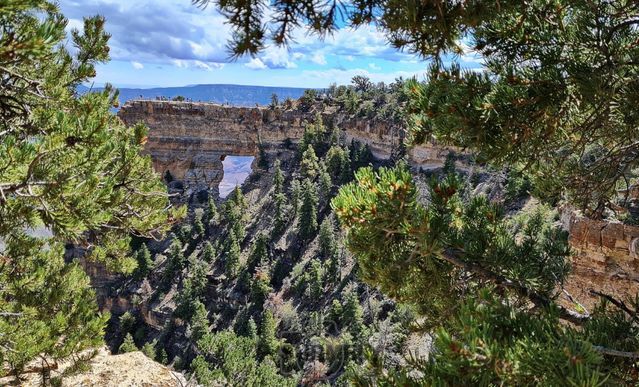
<point x="173" y="43"/>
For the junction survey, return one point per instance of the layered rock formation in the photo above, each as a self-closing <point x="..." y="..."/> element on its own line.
<point x="190" y="140"/>
<point x="605" y="258"/>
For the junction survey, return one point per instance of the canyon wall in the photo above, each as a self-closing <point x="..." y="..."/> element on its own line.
<point x="190" y="140"/>
<point x="605" y="258"/>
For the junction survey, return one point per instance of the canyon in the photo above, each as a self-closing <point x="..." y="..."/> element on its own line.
<point x="189" y="140"/>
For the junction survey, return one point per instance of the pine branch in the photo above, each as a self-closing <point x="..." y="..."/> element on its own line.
<point x="451" y="256"/>
<point x="619" y="304"/>
<point x="616" y="353"/>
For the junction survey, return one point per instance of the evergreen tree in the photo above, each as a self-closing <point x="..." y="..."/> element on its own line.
<point x="176" y="260"/>
<point x="69" y="166"/>
<point x="309" y="166"/>
<point x="267" y="342"/>
<point x="198" y="225"/>
<point x="296" y="195"/>
<point x="212" y="215"/>
<point x="148" y="349"/>
<point x="338" y="164"/>
<point x="325" y="184"/>
<point x="259" y="255"/>
<point x="199" y="322"/>
<point x="208" y="253"/>
<point x="280" y="219"/>
<point x="278" y="178"/>
<point x="308" y="211"/>
<point x="145" y="263"/>
<point x="232" y="262"/>
<point x="127" y="321"/>
<point x="252" y="329"/>
<point x="314" y="282"/>
<point x="328" y="249"/>
<point x="128" y="345"/>
<point x="260" y="287"/>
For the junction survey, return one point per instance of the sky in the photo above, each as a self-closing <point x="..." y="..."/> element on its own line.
<point x="161" y="43"/>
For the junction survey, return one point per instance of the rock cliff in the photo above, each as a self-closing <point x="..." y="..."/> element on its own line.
<point x="190" y="140"/>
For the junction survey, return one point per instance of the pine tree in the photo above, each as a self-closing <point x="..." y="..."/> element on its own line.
<point x="328" y="250"/>
<point x="232" y="262"/>
<point x="212" y="215"/>
<point x="267" y="342"/>
<point x="308" y="211"/>
<point x="199" y="322"/>
<point x="176" y="260"/>
<point x="325" y="184"/>
<point x="208" y="253"/>
<point x="309" y="166"/>
<point x="259" y="255"/>
<point x="252" y="329"/>
<point x="145" y="263"/>
<point x="148" y="349"/>
<point x="296" y="195"/>
<point x="260" y="287"/>
<point x="280" y="220"/>
<point x="70" y="166"/>
<point x="314" y="282"/>
<point x="128" y="345"/>
<point x="198" y="225"/>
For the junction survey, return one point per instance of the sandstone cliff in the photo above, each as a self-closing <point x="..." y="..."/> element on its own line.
<point x="191" y="139"/>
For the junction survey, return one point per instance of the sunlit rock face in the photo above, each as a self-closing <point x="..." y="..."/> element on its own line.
<point x="190" y="140"/>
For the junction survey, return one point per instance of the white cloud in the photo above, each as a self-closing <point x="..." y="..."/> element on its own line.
<point x="373" y="66"/>
<point x="137" y="65"/>
<point x="277" y="58"/>
<point x="255" y="64"/>
<point x="349" y="58"/>
<point x="319" y="59"/>
<point x="344" y="76"/>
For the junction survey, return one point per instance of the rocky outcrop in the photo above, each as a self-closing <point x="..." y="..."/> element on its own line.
<point x="190" y="140"/>
<point x="605" y="257"/>
<point x="105" y="370"/>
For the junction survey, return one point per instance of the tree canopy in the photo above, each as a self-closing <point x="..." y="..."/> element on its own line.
<point x="69" y="169"/>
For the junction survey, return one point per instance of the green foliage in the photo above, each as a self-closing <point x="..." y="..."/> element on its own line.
<point x="278" y="178"/>
<point x="338" y="164"/>
<point x="260" y="287"/>
<point x="259" y="255"/>
<point x="208" y="253"/>
<point x="492" y="342"/>
<point x="127" y="321"/>
<point x="325" y="184"/>
<point x="314" y="281"/>
<point x="149" y="349"/>
<point x="128" y="345"/>
<point x="71" y="167"/>
<point x="267" y="343"/>
<point x="309" y="166"/>
<point x="198" y="225"/>
<point x="212" y="215"/>
<point x="280" y="219"/>
<point x="199" y="322"/>
<point x="387" y="225"/>
<point x="145" y="263"/>
<point x="232" y="259"/>
<point x="296" y="195"/>
<point x="308" y="210"/>
<point x="231" y="359"/>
